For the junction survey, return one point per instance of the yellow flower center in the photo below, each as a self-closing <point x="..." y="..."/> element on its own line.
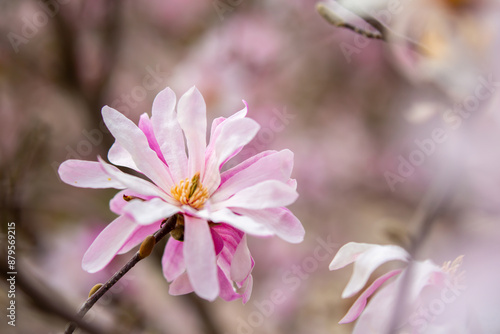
<point x="190" y="192"/>
<point x="453" y="269"/>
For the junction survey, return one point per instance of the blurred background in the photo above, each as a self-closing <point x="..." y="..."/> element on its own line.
<point x="374" y="125"/>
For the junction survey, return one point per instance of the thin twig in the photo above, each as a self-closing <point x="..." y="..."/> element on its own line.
<point x="162" y="232"/>
<point x="429" y="209"/>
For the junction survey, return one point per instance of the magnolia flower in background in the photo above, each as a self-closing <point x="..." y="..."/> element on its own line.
<point x="456" y="41"/>
<point x="208" y="253"/>
<point x="432" y="293"/>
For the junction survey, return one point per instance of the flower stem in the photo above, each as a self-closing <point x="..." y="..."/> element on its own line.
<point x="158" y="235"/>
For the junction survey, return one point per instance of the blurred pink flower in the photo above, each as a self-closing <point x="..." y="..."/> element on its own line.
<point x="426" y="281"/>
<point x="217" y="207"/>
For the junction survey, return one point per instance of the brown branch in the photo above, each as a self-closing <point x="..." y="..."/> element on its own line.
<point x="162" y="232"/>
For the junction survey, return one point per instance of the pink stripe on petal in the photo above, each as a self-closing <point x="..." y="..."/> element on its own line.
<point x="243" y="165"/>
<point x="87" y="174"/>
<point x="199" y="255"/>
<point x="192" y="117"/>
<point x="172" y="261"/>
<point x="227" y="292"/>
<point x="108" y="243"/>
<point x="169" y="134"/>
<point x="360" y="303"/>
<point x="147" y="128"/>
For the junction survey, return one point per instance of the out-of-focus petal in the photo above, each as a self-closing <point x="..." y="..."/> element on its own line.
<point x="108" y="243"/>
<point x="279" y="220"/>
<point x="148" y="212"/>
<point x="360" y="303"/>
<point x="169" y="134"/>
<point x="135" y="142"/>
<point x="172" y="261"/>
<point x="367" y="262"/>
<point x="199" y="255"/>
<point x="277" y="166"/>
<point x="180" y="286"/>
<point x="192" y="117"/>
<point x="264" y="195"/>
<point x="87" y="174"/>
<point x="348" y="253"/>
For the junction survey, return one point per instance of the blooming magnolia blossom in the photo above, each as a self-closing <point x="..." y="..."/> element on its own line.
<point x="217" y="207"/>
<point x="426" y="281"/>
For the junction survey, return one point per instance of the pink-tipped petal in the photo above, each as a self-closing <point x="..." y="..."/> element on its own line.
<point x="169" y="134"/>
<point x="119" y="156"/>
<point x="132" y="139"/>
<point x="148" y="212"/>
<point x="279" y="220"/>
<point x="277" y="166"/>
<point x="87" y="174"/>
<point x="199" y="255"/>
<point x="241" y="265"/>
<point x="181" y="286"/>
<point x="108" y="243"/>
<point x="264" y="195"/>
<point x="191" y="114"/>
<point x="360" y="303"/>
<point x="172" y="261"/>
<point x="368" y="261"/>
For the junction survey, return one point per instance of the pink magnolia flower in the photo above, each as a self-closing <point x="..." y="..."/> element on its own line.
<point x="425" y="283"/>
<point x="218" y="207"/>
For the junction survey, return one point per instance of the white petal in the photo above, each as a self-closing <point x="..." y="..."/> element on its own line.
<point x="87" y="174"/>
<point x="148" y="212"/>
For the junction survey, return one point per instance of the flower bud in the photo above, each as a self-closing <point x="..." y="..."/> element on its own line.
<point x="94" y="289"/>
<point x="147" y="246"/>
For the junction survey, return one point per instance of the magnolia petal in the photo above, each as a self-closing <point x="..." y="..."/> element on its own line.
<point x="244" y="165"/>
<point x="227" y="292"/>
<point x="279" y="220"/>
<point x="234" y="134"/>
<point x="108" y="243"/>
<point x="240" y="222"/>
<point x="191" y="114"/>
<point x="360" y="303"/>
<point x="132" y="139"/>
<point x="148" y="212"/>
<point x="131" y="182"/>
<point x="172" y="261"/>
<point x="199" y="254"/>
<point x="119" y="156"/>
<point x="169" y="133"/>
<point x="147" y="128"/>
<point x="241" y="266"/>
<point x="141" y="232"/>
<point x="87" y="174"/>
<point x="180" y="286"/>
<point x="267" y="194"/>
<point x="368" y="261"/>
<point x="277" y="166"/>
<point x="247" y="289"/>
<point x="348" y="253"/>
